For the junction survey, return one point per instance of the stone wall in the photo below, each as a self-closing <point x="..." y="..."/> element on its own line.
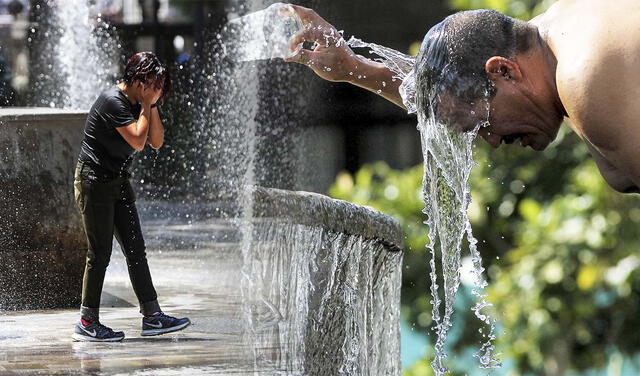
<point x="322" y="285"/>
<point x="42" y="242"/>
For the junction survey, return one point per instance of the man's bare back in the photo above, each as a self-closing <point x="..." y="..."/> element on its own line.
<point x="597" y="46"/>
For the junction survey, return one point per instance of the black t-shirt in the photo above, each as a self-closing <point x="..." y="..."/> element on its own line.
<point x="103" y="147"/>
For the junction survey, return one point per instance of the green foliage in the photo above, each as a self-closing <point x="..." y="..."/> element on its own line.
<point x="421" y="368"/>
<point x="560" y="248"/>
<point x="523" y="9"/>
<point x="559" y="245"/>
<point x="564" y="288"/>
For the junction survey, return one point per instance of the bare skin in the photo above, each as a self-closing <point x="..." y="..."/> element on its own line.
<point x="584" y="69"/>
<point x="332" y="52"/>
<point x="148" y="128"/>
<point x="596" y="44"/>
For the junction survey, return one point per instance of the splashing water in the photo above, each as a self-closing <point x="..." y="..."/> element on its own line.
<point x="85" y="56"/>
<point x="322" y="300"/>
<point x="78" y="58"/>
<point x="81" y="51"/>
<point x="265" y="34"/>
<point x="448" y="160"/>
<point x="315" y="301"/>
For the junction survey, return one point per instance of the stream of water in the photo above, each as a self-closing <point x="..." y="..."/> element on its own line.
<point x="448" y="160"/>
<point x="78" y="56"/>
<point x="315" y="302"/>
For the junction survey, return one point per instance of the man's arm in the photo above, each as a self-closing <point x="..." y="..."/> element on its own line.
<point x="333" y="60"/>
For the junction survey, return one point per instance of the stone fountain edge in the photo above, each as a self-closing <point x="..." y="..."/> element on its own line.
<point x="316" y="210"/>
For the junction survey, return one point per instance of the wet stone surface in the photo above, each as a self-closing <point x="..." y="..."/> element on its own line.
<point x="40" y="229"/>
<point x="195" y="276"/>
<point x="324" y="300"/>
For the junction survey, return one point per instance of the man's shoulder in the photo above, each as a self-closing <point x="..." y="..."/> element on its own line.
<point x="600" y="94"/>
<point x="596" y="47"/>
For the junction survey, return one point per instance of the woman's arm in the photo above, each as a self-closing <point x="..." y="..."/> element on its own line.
<point x="156" y="130"/>
<point x="136" y="133"/>
<point x="333" y="60"/>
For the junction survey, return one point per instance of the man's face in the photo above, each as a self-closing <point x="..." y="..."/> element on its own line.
<point x="513" y="117"/>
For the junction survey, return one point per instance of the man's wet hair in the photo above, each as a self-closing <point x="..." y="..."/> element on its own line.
<point x="453" y="55"/>
<point x="145" y="67"/>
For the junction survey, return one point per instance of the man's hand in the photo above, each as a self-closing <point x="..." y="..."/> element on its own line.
<point x="331" y="57"/>
<point x="333" y="60"/>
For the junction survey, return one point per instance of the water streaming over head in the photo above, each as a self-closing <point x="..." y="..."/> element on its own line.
<point x="448" y="126"/>
<point x="448" y="129"/>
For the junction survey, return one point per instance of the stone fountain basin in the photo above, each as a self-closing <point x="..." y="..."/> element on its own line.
<point x="42" y="243"/>
<point x="323" y="291"/>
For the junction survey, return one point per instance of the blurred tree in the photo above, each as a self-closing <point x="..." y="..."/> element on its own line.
<point x="185" y="6"/>
<point x="523" y="9"/>
<point x="560" y="248"/>
<point x="559" y="245"/>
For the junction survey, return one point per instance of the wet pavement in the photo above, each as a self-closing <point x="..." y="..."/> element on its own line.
<point x="196" y="269"/>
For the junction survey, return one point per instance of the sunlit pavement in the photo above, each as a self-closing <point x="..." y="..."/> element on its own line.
<point x="196" y="268"/>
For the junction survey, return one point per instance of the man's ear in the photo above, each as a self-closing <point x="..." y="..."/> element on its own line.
<point x="501" y="68"/>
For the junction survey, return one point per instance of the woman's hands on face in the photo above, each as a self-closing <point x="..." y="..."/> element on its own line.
<point x="331" y="57"/>
<point x="150" y="95"/>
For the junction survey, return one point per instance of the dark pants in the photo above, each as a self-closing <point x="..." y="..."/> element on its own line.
<point x="107" y="204"/>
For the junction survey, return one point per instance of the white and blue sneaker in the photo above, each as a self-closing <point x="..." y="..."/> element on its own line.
<point x="96" y="332"/>
<point x="161" y="324"/>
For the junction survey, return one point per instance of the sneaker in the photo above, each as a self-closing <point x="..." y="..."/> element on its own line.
<point x="161" y="324"/>
<point x="96" y="332"/>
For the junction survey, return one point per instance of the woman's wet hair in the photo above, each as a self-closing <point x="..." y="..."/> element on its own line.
<point x="146" y="68"/>
<point x="450" y="69"/>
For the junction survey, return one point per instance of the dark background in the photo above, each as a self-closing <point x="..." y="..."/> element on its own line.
<point x="344" y="128"/>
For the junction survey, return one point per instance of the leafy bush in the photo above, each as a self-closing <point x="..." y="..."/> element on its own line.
<point x="560" y="248"/>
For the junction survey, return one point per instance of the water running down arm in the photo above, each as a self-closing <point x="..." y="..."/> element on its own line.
<point x="156" y="130"/>
<point x="333" y="60"/>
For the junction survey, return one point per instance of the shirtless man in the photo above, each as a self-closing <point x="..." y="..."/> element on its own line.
<point x="579" y="61"/>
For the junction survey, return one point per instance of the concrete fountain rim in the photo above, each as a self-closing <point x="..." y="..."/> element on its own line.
<point x="316" y="210"/>
<point x="26" y="114"/>
<point x="299" y="207"/>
